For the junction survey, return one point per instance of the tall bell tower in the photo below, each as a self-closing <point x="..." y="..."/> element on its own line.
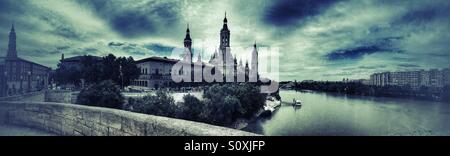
<point x="225" y="35"/>
<point x="12" y="52"/>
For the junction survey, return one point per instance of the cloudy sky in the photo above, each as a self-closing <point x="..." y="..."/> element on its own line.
<point x="316" y="39"/>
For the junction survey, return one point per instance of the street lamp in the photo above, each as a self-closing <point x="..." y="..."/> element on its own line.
<point x="38" y="83"/>
<point x="121" y="75"/>
<point x="6" y="76"/>
<point x="5" y="83"/>
<point x="29" y="81"/>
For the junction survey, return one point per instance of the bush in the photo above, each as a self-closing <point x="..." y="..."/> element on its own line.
<point x="221" y="113"/>
<point x="250" y="98"/>
<point x="225" y="103"/>
<point x="104" y="94"/>
<point x="222" y="104"/>
<point x="191" y="108"/>
<point x="161" y="104"/>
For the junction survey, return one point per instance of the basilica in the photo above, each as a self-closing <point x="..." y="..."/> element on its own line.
<point x="156" y="72"/>
<point x="223" y="60"/>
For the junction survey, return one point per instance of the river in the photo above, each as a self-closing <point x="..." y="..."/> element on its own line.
<point x="325" y="114"/>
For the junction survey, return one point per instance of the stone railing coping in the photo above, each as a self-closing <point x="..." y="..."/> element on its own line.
<point x="178" y="126"/>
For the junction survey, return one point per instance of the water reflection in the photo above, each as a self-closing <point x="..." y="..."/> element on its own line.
<point x="334" y="114"/>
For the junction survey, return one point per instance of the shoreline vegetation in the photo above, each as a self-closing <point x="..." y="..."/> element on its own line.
<point x="232" y="105"/>
<point x="359" y="89"/>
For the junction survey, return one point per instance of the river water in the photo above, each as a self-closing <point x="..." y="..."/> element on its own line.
<point x="325" y="114"/>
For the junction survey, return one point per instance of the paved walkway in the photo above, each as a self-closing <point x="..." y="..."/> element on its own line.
<point x="10" y="130"/>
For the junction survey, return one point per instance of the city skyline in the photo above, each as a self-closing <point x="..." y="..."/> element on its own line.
<point x="324" y="39"/>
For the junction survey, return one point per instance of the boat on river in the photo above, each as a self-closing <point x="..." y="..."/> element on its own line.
<point x="296" y="102"/>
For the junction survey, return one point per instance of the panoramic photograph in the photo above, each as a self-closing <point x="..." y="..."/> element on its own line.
<point x="224" y="68"/>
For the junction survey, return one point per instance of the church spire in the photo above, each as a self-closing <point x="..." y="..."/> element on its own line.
<point x="254" y="72"/>
<point x="188" y="33"/>
<point x="225" y="20"/>
<point x="12" y="52"/>
<point x="187" y="30"/>
<point x="188" y="45"/>
<point x="224" y="35"/>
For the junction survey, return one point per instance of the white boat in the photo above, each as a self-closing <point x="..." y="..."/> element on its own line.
<point x="297" y="103"/>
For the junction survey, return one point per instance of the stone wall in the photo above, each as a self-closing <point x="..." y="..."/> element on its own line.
<point x="71" y="119"/>
<point x="61" y="96"/>
<point x="33" y="96"/>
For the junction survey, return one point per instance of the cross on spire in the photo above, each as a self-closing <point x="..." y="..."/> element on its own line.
<point x="12" y="28"/>
<point x="187" y="30"/>
<point x="225" y="19"/>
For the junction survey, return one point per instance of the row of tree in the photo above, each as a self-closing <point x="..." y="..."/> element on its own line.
<point x="354" y="88"/>
<point x="222" y="104"/>
<point x="120" y="70"/>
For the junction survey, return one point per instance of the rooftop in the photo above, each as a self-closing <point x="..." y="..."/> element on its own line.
<point x="79" y="58"/>
<point x="3" y="59"/>
<point x="158" y="59"/>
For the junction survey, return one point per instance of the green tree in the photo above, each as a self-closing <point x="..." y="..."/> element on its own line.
<point x="91" y="70"/>
<point x="222" y="112"/>
<point x="250" y="98"/>
<point x="129" y="70"/>
<point x="161" y="104"/>
<point x="243" y="100"/>
<point x="191" y="108"/>
<point x="103" y="94"/>
<point x="120" y="70"/>
<point x="67" y="75"/>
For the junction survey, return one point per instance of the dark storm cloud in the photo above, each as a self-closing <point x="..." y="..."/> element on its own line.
<point x="142" y="49"/>
<point x="433" y="11"/>
<point x="338" y="74"/>
<point x="62" y="47"/>
<point x="83" y="51"/>
<point x="149" y="18"/>
<point x="6" y="5"/>
<point x="289" y="12"/>
<point x="406" y="65"/>
<point x="355" y="53"/>
<point x="115" y="44"/>
<point x="12" y="6"/>
<point x="372" y="67"/>
<point x="384" y="45"/>
<point x="159" y="48"/>
<point x="132" y="24"/>
<point x="59" y="25"/>
<point x="130" y="48"/>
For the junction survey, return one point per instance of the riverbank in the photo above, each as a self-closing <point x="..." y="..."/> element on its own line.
<point x="415" y="96"/>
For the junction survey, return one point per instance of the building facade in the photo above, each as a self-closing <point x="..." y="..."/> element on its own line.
<point x="155" y="72"/>
<point x="433" y="78"/>
<point x="19" y="75"/>
<point x="76" y="61"/>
